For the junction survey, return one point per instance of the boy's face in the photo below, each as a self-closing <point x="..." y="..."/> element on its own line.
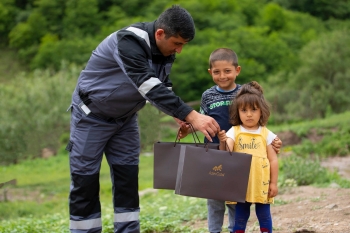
<point x="224" y="74"/>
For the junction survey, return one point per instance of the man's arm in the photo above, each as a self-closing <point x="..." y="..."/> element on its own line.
<point x="133" y="55"/>
<point x="135" y="63"/>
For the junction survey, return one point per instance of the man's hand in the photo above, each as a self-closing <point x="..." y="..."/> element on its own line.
<point x="276" y="145"/>
<point x="206" y="124"/>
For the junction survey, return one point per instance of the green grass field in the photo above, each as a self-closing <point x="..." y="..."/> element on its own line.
<point x="39" y="201"/>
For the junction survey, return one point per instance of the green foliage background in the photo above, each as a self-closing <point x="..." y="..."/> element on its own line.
<point x="298" y="50"/>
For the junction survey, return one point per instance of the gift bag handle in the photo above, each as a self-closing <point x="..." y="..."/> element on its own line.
<point x="207" y="147"/>
<point x="193" y="132"/>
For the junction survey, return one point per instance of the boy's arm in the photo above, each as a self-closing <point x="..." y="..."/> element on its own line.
<point x="272" y="156"/>
<point x="276" y="145"/>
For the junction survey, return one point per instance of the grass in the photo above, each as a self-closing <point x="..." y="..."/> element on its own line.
<point x="43" y="184"/>
<point x="302" y="128"/>
<point x="322" y="138"/>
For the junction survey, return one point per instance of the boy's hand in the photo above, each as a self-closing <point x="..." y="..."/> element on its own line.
<point x="222" y="136"/>
<point x="184" y="129"/>
<point x="276" y="145"/>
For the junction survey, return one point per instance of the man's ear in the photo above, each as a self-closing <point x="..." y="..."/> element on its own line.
<point x="209" y="71"/>
<point x="159" y="34"/>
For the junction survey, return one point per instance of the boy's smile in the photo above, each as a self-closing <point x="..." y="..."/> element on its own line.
<point x="224" y="74"/>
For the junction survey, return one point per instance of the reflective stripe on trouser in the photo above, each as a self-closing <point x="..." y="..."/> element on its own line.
<point x="119" y="140"/>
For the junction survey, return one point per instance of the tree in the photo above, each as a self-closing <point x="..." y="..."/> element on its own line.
<point x="7" y="14"/>
<point x="319" y="86"/>
<point x="323" y="9"/>
<point x="53" y="12"/>
<point x="81" y="18"/>
<point x="27" y="34"/>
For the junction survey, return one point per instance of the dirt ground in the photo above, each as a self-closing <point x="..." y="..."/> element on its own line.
<point x="307" y="209"/>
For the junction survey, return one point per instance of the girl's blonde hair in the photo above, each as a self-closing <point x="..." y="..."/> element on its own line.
<point x="250" y="94"/>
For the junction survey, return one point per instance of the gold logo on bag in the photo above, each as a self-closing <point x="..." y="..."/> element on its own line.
<point x="217" y="171"/>
<point x="217" y="168"/>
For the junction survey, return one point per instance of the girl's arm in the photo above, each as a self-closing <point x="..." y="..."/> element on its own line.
<point x="272" y="156"/>
<point x="225" y="140"/>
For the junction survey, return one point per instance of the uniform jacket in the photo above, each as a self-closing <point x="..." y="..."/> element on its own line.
<point x="124" y="71"/>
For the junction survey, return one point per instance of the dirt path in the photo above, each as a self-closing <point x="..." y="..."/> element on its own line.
<point x="308" y="209"/>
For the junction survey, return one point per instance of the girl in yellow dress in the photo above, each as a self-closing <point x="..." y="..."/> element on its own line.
<point x="249" y="114"/>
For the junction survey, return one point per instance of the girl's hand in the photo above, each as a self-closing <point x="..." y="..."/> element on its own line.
<point x="273" y="190"/>
<point x="222" y="136"/>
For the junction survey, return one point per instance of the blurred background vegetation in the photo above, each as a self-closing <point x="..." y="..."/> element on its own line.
<point x="298" y="50"/>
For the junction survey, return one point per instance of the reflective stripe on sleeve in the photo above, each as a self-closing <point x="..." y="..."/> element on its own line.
<point x="148" y="85"/>
<point x="85" y="224"/>
<point x="141" y="33"/>
<point x="126" y="217"/>
<point x="170" y="88"/>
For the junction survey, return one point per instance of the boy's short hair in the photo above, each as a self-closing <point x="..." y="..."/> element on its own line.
<point x="223" y="54"/>
<point x="176" y="21"/>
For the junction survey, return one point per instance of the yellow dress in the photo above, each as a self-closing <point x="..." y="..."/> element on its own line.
<point x="259" y="177"/>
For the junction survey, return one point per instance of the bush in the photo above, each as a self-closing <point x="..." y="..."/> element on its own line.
<point x="149" y="125"/>
<point x="33" y="113"/>
<point x="305" y="171"/>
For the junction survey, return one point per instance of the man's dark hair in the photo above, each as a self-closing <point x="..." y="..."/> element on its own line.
<point x="176" y="21"/>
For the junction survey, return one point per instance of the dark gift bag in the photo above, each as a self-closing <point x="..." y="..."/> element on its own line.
<point x="166" y="160"/>
<point x="213" y="174"/>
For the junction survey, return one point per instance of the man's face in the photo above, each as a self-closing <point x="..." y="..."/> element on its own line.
<point x="169" y="46"/>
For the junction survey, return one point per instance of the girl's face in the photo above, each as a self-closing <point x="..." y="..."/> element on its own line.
<point x="249" y="116"/>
